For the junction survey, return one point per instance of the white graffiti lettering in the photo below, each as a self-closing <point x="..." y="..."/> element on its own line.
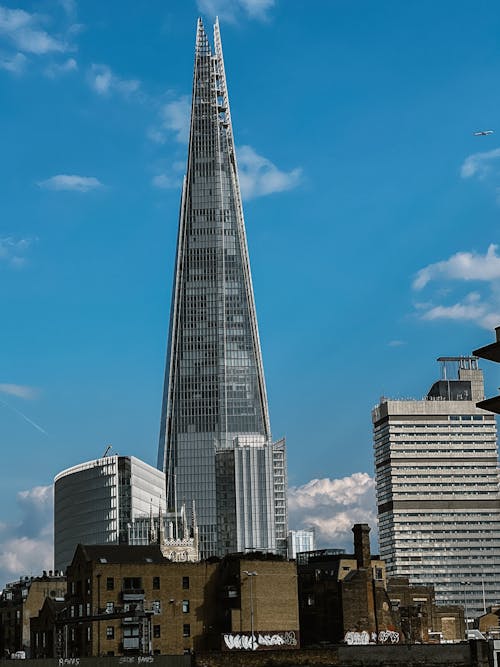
<point x="252" y="643"/>
<point x="69" y="661"/>
<point x="127" y="659"/>
<point x="353" y="638"/>
<point x="145" y="658"/>
<point x="385" y="636"/>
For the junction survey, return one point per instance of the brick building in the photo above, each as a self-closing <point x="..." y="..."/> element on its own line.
<point x="131" y="600"/>
<point x="347" y="597"/>
<point x="343" y="593"/>
<point x="422" y="620"/>
<point x="19" y="602"/>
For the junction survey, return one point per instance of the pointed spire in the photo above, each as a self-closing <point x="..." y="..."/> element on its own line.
<point x="202" y="44"/>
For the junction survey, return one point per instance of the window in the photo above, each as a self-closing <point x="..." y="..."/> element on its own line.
<point x="110" y="584"/>
<point x="156" y="606"/>
<point x="89" y="633"/>
<point x="185" y="606"/>
<point x="185" y="583"/>
<point x="110" y="632"/>
<point x="110" y="607"/>
<point x="186" y="630"/>
<point x="132" y="583"/>
<point x="156" y="631"/>
<point x="156" y="583"/>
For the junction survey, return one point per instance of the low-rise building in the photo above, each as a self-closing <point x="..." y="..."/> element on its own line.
<point x="343" y="597"/>
<point x="22" y="600"/>
<point x="131" y="600"/>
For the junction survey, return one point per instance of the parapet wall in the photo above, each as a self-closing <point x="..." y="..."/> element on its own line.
<point x="472" y="654"/>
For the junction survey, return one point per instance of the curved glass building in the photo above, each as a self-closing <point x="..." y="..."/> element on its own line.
<point x="95" y="501"/>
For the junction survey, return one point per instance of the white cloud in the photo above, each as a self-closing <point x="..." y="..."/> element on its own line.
<point x="175" y="116"/>
<point x="27" y="546"/>
<point x="396" y="343"/>
<point x="484" y="313"/>
<point x="462" y="266"/>
<point x="479" y="164"/>
<point x="259" y="176"/>
<point x="58" y="69"/>
<point x="231" y="10"/>
<point x="257" y="9"/>
<point x="14" y="64"/>
<point x="18" y="390"/>
<point x="13" y="251"/>
<point x="69" y="6"/>
<point x="102" y="79"/>
<point x="479" y="307"/>
<point x="24" y="31"/>
<point x="71" y="182"/>
<point x="166" y="182"/>
<point x="332" y="507"/>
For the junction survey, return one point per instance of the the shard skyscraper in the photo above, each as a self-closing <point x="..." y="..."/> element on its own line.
<point x="215" y="438"/>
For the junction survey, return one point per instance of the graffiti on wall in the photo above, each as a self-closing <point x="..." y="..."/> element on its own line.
<point x="383" y="637"/>
<point x="247" y="642"/>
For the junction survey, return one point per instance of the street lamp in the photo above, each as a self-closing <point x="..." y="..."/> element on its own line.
<point x="251" y="575"/>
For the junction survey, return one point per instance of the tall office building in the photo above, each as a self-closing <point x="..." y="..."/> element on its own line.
<point x="437" y="486"/>
<point x="95" y="502"/>
<point x="215" y="437"/>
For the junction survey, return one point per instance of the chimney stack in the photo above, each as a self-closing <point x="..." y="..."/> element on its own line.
<point x="362" y="545"/>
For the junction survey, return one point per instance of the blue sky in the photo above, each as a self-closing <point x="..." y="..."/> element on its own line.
<point x="372" y="217"/>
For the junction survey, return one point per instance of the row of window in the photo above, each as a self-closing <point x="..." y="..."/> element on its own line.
<point x="135" y="583"/>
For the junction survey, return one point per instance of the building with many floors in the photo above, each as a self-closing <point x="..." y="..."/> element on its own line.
<point x="437" y="483"/>
<point x="215" y="437"/>
<point x="94" y="502"/>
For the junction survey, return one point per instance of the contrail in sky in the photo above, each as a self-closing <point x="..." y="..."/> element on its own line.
<point x="30" y="421"/>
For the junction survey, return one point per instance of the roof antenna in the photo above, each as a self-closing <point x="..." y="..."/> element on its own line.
<point x="107" y="450"/>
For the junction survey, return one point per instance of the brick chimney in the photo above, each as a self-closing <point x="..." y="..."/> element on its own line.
<point x="362" y="545"/>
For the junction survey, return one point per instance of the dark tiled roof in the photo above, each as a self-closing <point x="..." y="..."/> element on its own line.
<point x="123" y="553"/>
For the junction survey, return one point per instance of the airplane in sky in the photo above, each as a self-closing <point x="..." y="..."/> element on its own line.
<point x="483" y="133"/>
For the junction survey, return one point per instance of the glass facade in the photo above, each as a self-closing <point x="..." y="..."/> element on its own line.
<point x="95" y="501"/>
<point x="438" y="490"/>
<point x="214" y="382"/>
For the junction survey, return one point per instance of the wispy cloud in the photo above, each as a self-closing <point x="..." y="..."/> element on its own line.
<point x="166" y="181"/>
<point x="232" y="10"/>
<point x="27" y="545"/>
<point x="259" y="176"/>
<point x="462" y="266"/>
<point x="333" y="506"/>
<point x="69" y="7"/>
<point x="396" y="343"/>
<point x="13" y="251"/>
<point x="479" y="164"/>
<point x="25" y="32"/>
<point x="174" y="119"/>
<point x="58" y="69"/>
<point x="169" y="178"/>
<point x="71" y="182"/>
<point x="18" y="390"/>
<point x="103" y="81"/>
<point x="15" y="63"/>
<point x="480" y="306"/>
